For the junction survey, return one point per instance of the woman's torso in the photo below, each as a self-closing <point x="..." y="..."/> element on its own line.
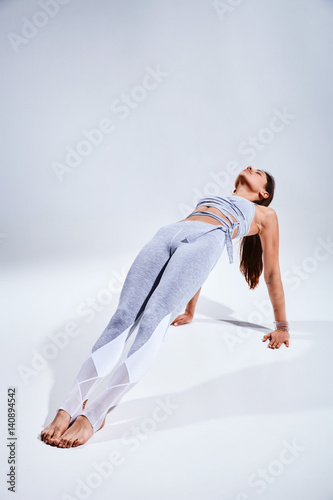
<point x="254" y="227"/>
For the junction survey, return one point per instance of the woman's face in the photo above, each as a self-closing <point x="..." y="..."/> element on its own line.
<point x="256" y="179"/>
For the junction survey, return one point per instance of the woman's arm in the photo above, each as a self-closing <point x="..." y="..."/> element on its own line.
<point x="269" y="237"/>
<point x="190" y="308"/>
<point x="187" y="316"/>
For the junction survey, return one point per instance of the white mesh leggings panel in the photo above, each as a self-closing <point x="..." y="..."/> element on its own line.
<point x="165" y="275"/>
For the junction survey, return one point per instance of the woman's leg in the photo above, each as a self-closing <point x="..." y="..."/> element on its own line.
<point x="184" y="274"/>
<point x="140" y="282"/>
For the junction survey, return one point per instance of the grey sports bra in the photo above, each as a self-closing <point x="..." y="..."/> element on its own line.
<point x="237" y="206"/>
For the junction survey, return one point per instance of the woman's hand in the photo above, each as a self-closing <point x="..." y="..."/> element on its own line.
<point x="182" y="319"/>
<point x="277" y="338"/>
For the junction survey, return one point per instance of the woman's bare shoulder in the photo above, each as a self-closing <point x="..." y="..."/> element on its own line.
<point x="264" y="208"/>
<point x="269" y="211"/>
<point x="265" y="217"/>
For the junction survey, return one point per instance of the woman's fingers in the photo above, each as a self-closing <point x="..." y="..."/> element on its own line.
<point x="276" y="344"/>
<point x="276" y="340"/>
<point x="182" y="319"/>
<point x="176" y="320"/>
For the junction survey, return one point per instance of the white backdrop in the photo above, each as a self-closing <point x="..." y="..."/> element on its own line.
<point x="116" y="117"/>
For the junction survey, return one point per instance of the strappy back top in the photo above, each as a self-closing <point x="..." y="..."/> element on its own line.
<point x="237" y="206"/>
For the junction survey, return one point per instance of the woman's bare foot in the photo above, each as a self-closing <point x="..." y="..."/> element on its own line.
<point x="78" y="433"/>
<point x="52" y="433"/>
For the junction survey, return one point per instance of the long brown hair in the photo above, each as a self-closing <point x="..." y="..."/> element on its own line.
<point x="251" y="264"/>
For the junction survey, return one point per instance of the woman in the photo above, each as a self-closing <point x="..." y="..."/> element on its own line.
<point x="166" y="276"/>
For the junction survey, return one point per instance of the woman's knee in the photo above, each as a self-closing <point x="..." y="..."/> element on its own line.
<point x="123" y="316"/>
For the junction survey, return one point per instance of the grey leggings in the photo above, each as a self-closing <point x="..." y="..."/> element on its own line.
<point x="165" y="275"/>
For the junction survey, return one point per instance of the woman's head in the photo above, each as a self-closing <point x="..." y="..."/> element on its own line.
<point x="255" y="185"/>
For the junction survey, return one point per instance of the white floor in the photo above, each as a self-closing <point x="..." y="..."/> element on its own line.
<point x="218" y="416"/>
